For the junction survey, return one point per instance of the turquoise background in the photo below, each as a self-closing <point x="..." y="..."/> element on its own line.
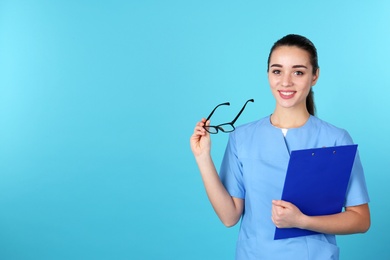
<point x="98" y="100"/>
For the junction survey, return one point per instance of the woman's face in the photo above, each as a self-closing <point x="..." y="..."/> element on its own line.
<point x="290" y="75"/>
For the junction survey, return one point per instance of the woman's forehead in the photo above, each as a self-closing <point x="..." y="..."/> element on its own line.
<point x="290" y="55"/>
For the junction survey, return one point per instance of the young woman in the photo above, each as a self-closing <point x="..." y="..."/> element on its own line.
<point x="251" y="178"/>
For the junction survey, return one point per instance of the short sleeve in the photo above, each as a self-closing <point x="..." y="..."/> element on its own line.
<point x="357" y="192"/>
<point x="231" y="170"/>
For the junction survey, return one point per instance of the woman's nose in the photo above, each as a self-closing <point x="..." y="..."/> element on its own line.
<point x="286" y="80"/>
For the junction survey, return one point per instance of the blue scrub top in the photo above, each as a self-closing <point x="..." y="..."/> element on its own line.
<point x="254" y="169"/>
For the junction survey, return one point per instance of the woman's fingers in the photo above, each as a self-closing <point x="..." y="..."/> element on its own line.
<point x="199" y="128"/>
<point x="200" y="140"/>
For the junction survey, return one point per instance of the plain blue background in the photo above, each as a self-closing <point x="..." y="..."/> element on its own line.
<point x="98" y="100"/>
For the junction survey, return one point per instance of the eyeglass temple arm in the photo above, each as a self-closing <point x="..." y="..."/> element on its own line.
<point x="242" y="109"/>
<point x="212" y="112"/>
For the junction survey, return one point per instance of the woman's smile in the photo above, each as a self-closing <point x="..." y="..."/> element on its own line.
<point x="287" y="94"/>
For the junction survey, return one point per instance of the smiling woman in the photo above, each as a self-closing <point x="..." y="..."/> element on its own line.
<point x="309" y="54"/>
<point x="291" y="79"/>
<point x="98" y="99"/>
<point x="250" y="182"/>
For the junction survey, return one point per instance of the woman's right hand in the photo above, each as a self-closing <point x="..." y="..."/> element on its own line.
<point x="200" y="140"/>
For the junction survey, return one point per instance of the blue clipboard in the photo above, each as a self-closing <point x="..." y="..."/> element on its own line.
<point x="316" y="182"/>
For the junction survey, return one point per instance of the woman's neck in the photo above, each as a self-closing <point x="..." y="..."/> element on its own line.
<point x="289" y="119"/>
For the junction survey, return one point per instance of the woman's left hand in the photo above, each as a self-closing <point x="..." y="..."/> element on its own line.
<point x="286" y="214"/>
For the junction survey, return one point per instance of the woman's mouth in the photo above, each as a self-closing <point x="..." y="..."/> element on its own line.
<point x="287" y="94"/>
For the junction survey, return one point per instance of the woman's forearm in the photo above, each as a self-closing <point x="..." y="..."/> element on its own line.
<point x="353" y="220"/>
<point x="228" y="209"/>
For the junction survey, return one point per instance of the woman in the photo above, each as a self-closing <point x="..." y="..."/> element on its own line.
<point x="251" y="178"/>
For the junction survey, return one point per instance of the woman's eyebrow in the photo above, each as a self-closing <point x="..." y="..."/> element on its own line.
<point x="295" y="66"/>
<point x="299" y="66"/>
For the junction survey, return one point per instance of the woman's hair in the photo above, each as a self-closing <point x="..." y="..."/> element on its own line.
<point x="304" y="44"/>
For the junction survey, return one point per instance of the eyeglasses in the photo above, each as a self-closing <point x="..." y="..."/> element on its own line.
<point x="226" y="127"/>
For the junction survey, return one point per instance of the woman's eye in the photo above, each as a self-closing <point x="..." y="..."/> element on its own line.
<point x="298" y="73"/>
<point x="276" y="71"/>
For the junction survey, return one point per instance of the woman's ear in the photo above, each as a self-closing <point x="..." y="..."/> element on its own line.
<point x="315" y="77"/>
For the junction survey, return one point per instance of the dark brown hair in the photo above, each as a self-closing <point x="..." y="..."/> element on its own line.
<point x="304" y="44"/>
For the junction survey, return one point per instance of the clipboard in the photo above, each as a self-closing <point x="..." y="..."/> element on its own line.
<point x="316" y="182"/>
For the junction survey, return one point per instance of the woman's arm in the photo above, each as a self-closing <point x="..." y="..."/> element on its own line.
<point x="228" y="208"/>
<point x="354" y="219"/>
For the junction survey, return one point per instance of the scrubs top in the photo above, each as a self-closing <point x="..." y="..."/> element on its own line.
<point x="254" y="169"/>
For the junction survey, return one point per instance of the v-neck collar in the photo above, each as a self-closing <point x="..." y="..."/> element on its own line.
<point x="290" y="139"/>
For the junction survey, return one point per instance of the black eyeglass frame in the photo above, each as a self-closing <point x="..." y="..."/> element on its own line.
<point x="230" y="124"/>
